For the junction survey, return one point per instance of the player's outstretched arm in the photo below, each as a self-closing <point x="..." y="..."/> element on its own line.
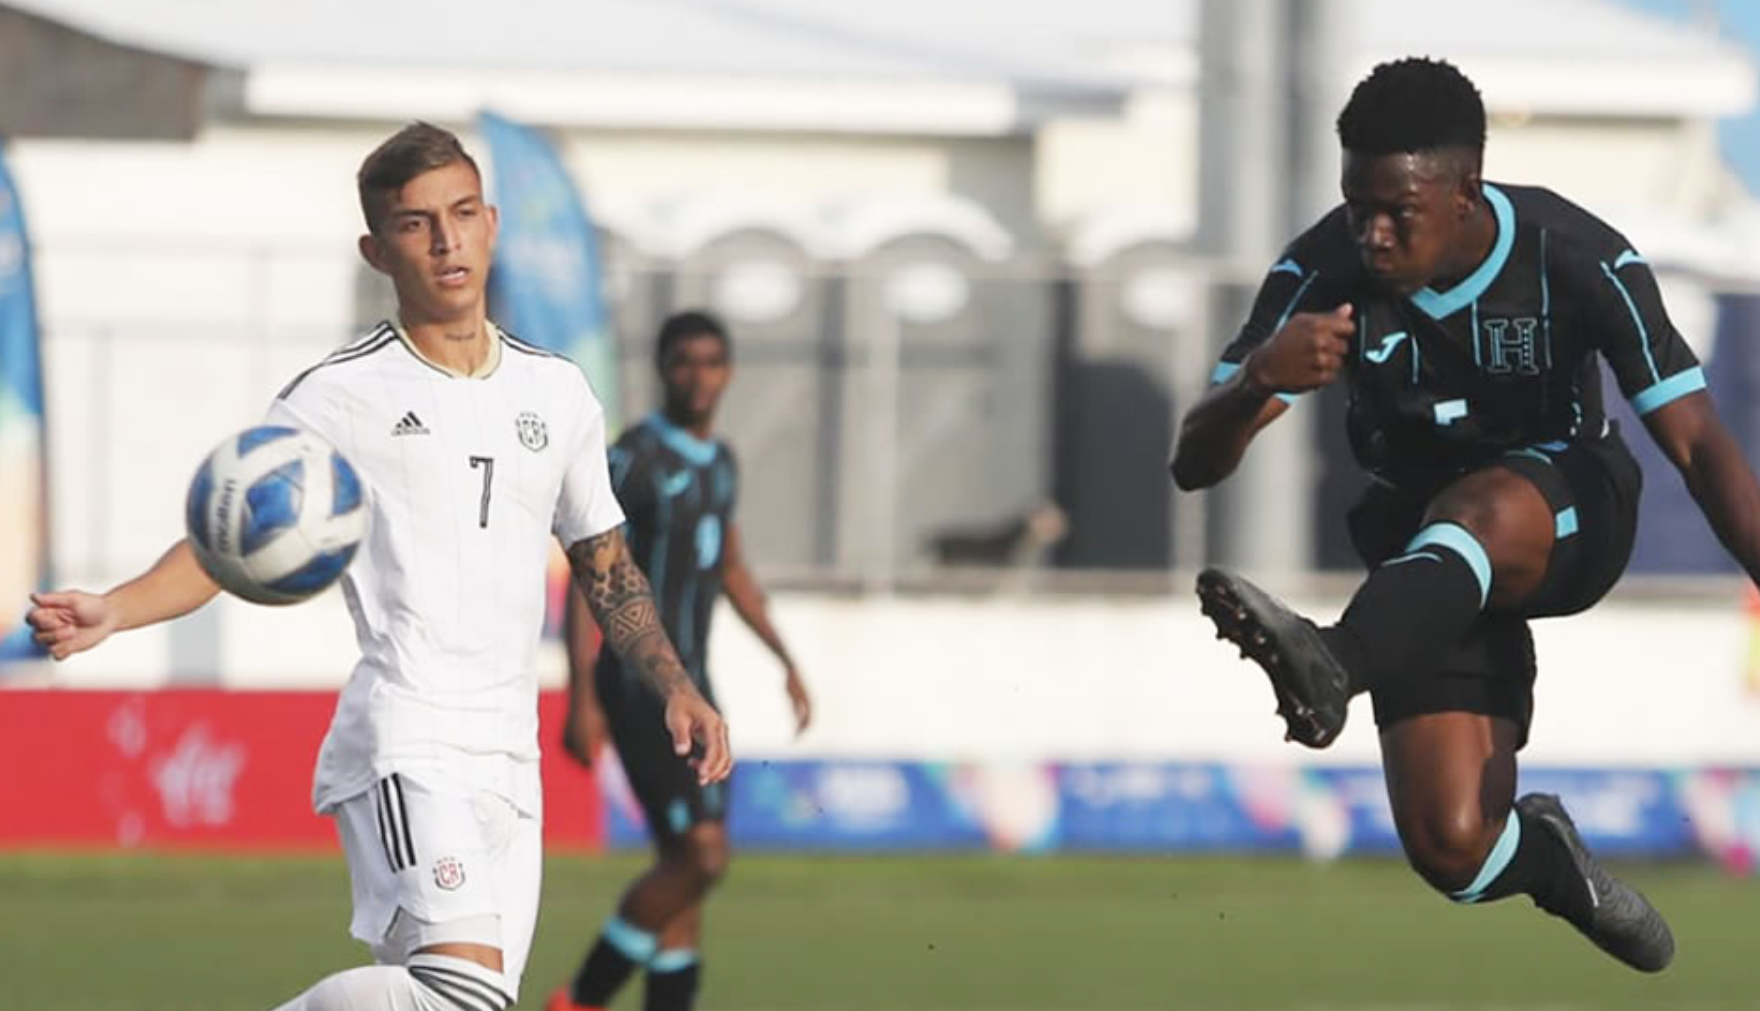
<point x="1696" y="441"/>
<point x="622" y="603"/>
<point x="749" y="602"/>
<point x="1304" y="354"/>
<point x="73" y="621"/>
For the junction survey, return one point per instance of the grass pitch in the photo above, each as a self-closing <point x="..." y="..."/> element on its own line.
<point x="900" y="933"/>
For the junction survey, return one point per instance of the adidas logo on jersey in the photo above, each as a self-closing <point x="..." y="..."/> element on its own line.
<point x="409" y="424"/>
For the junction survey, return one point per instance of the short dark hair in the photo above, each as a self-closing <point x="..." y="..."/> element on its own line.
<point x="417" y="148"/>
<point x="1413" y="105"/>
<point x="690" y="323"/>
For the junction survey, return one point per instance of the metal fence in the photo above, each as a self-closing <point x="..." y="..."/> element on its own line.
<point x="921" y="418"/>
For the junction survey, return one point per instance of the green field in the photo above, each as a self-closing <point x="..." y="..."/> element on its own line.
<point x="159" y="933"/>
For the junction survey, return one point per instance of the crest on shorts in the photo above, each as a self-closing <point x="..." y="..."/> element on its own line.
<point x="533" y="434"/>
<point x="449" y="873"/>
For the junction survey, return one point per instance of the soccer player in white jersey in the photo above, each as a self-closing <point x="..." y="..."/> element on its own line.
<point x="476" y="448"/>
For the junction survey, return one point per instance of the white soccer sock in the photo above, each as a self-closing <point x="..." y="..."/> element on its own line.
<point x="428" y="983"/>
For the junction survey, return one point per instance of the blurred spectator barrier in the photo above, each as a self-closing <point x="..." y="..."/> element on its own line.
<point x="201" y="769"/>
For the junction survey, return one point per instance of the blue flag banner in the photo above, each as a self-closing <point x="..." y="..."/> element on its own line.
<point x="546" y="286"/>
<point x="24" y="521"/>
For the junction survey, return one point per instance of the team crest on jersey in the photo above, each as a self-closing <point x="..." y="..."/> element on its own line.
<point x="449" y="873"/>
<point x="533" y="434"/>
<point x="1511" y="347"/>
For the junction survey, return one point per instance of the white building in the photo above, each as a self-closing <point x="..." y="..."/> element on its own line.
<point x="1028" y="135"/>
<point x="182" y="279"/>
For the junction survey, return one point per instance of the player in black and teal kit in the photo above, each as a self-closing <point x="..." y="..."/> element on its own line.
<point x="1470" y="320"/>
<point x="677" y="491"/>
<point x="677" y="485"/>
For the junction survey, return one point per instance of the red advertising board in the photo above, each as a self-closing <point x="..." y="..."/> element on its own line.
<point x="203" y="768"/>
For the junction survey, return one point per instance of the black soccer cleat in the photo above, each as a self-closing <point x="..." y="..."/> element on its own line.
<point x="1313" y="690"/>
<point x="1621" y="921"/>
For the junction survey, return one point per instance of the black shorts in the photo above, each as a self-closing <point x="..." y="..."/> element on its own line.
<point x="1592" y="487"/>
<point x="663" y="782"/>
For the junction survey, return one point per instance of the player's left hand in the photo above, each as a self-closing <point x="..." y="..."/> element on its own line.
<point x="71" y="621"/>
<point x="699" y="731"/>
<point x="584" y="731"/>
<point x="800" y="700"/>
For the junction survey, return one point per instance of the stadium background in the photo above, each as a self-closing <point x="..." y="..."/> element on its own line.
<point x="978" y="257"/>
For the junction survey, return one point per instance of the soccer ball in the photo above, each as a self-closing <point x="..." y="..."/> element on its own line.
<point x="275" y="514"/>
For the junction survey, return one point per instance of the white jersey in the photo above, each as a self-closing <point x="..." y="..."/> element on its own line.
<point x="468" y="479"/>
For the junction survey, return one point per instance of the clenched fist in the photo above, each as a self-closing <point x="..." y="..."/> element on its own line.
<point x="1304" y="354"/>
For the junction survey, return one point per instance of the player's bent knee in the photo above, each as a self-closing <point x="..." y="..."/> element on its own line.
<point x="709" y="857"/>
<point x="702" y="854"/>
<point x="1448" y="851"/>
<point x="712" y="863"/>
<point x="708" y="848"/>
<point x="1503" y="511"/>
<point x="1442" y="871"/>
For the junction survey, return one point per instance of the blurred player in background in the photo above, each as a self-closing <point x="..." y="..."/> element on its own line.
<point x="430" y="767"/>
<point x="677" y="484"/>
<point x="1470" y="320"/>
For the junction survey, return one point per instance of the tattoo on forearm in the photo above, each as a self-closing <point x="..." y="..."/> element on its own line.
<point x="622" y="603"/>
<point x="632" y="620"/>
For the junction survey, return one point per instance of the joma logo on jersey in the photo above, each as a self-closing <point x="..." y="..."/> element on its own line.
<point x="1509" y="346"/>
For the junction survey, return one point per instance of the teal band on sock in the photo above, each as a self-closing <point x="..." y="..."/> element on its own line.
<point x="1455" y="538"/>
<point x="636" y="944"/>
<point x="1501" y="854"/>
<point x="673" y="960"/>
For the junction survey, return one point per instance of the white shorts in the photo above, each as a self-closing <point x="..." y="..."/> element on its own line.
<point x="433" y="861"/>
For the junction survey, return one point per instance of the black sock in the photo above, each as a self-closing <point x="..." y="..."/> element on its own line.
<point x="673" y="977"/>
<point x="1428" y="596"/>
<point x="1540" y="866"/>
<point x="621" y="947"/>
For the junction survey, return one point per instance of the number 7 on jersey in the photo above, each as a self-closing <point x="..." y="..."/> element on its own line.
<point x="487" y="463"/>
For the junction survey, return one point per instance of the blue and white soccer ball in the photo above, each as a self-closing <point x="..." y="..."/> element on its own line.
<point x="275" y="514"/>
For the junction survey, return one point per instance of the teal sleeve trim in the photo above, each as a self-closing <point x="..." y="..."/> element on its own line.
<point x="1669" y="390"/>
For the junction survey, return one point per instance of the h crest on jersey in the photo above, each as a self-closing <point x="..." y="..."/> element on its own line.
<point x="1509" y="345"/>
<point x="533" y="434"/>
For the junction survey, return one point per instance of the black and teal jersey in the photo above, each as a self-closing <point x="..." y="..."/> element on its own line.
<point x="677" y="492"/>
<point x="1506" y="359"/>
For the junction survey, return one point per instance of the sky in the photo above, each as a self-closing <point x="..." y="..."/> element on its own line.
<point x="1739" y="22"/>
